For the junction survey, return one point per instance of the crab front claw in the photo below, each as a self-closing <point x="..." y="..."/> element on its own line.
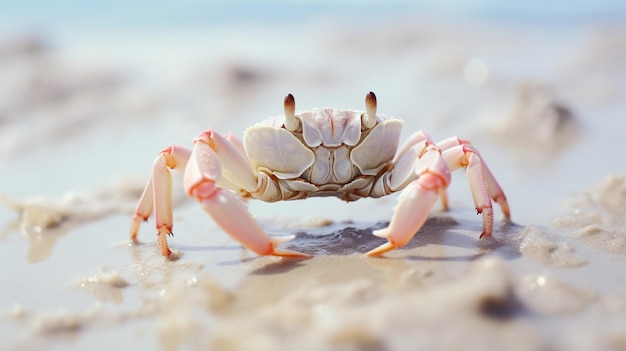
<point x="210" y="153"/>
<point x="214" y="162"/>
<point x="229" y="213"/>
<point x="433" y="167"/>
<point x="414" y="205"/>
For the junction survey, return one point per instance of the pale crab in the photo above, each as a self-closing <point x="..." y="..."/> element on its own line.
<point x="321" y="152"/>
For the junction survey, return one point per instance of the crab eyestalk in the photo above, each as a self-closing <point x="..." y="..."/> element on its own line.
<point x="369" y="117"/>
<point x="291" y="123"/>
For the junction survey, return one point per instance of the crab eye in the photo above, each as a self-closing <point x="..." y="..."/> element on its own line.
<point x="369" y="118"/>
<point x="291" y="122"/>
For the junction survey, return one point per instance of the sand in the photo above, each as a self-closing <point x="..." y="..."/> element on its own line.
<point x="83" y="114"/>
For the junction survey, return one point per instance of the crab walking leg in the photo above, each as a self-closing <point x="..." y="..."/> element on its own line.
<point x="415" y="201"/>
<point x="157" y="194"/>
<point x="493" y="188"/>
<point x="235" y="142"/>
<point x="463" y="156"/>
<point x="415" y="139"/>
<point x="230" y="213"/>
<point x="227" y="209"/>
<point x="143" y="210"/>
<point x="221" y="153"/>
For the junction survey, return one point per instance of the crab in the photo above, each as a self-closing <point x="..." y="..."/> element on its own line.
<point x="320" y="152"/>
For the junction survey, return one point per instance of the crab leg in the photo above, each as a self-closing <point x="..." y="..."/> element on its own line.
<point x="211" y="158"/>
<point x="403" y="166"/>
<point x="459" y="157"/>
<point x="457" y="152"/>
<point x="413" y="140"/>
<point x="482" y="183"/>
<point x="435" y="162"/>
<point x="235" y="142"/>
<point x="157" y="195"/>
<point x="416" y="200"/>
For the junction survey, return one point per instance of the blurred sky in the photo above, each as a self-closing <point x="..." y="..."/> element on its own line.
<point x="45" y="14"/>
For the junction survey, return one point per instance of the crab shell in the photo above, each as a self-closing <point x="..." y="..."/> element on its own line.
<point x="330" y="149"/>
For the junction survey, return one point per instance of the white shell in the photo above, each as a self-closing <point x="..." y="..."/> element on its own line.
<point x="278" y="150"/>
<point x="378" y="148"/>
<point x="331" y="127"/>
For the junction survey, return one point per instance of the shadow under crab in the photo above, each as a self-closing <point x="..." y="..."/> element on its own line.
<point x="439" y="229"/>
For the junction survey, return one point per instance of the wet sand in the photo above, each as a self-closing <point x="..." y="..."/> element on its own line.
<point x="83" y="115"/>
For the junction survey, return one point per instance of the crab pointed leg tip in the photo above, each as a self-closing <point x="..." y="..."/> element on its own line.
<point x="134" y="229"/>
<point x="173" y="255"/>
<point x="381" y="233"/>
<point x="289" y="253"/>
<point x="507" y="212"/>
<point x="381" y="249"/>
<point x="282" y="239"/>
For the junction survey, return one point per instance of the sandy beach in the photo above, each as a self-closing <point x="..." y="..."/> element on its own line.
<point x="86" y="107"/>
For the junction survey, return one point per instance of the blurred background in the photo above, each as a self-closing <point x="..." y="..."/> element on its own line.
<point x="90" y="91"/>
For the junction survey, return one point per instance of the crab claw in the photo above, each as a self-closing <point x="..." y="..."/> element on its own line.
<point x="227" y="209"/>
<point x="413" y="208"/>
<point x="291" y="123"/>
<point x="369" y="118"/>
<point x="381" y="249"/>
<point x="415" y="202"/>
<point x="230" y="213"/>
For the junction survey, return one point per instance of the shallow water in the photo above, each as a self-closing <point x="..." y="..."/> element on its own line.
<point x="84" y="114"/>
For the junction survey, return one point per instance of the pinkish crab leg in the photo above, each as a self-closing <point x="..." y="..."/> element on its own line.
<point x="235" y="142"/>
<point x="157" y="195"/>
<point x="143" y="210"/>
<point x="415" y="201"/>
<point x="413" y="140"/>
<point x="456" y="152"/>
<point x="211" y="158"/>
<point x="458" y="157"/>
<point x="481" y="182"/>
<point x="433" y="170"/>
<point x="404" y="160"/>
<point x="233" y="165"/>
